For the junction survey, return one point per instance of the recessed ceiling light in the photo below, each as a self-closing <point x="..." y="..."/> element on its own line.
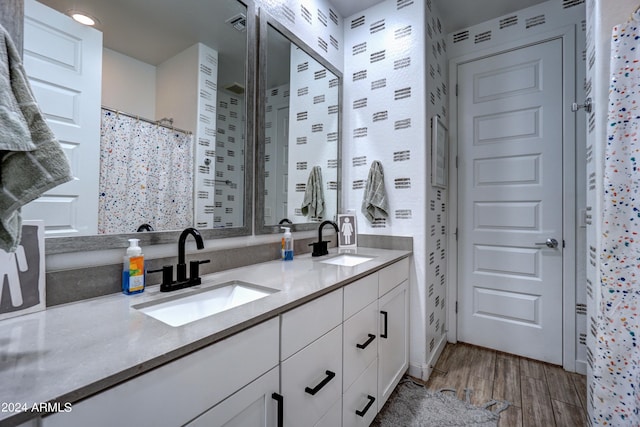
<point x="82" y="17"/>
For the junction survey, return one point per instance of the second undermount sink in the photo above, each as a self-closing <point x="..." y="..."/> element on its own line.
<point x="347" y="260"/>
<point x="192" y="306"/>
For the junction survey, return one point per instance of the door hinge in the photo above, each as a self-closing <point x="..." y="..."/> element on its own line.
<point x="563" y="244"/>
<point x="456" y="233"/>
<point x="456" y="162"/>
<point x="456" y="89"/>
<point x="456" y="306"/>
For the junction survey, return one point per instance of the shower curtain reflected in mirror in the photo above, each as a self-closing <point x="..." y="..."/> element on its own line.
<point x="146" y="176"/>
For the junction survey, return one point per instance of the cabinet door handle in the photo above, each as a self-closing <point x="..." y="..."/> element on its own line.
<point x="366" y="408"/>
<point x="324" y="382"/>
<point x="385" y="326"/>
<point x="280" y="399"/>
<point x="367" y="342"/>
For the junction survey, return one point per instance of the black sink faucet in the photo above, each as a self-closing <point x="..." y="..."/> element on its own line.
<point x="168" y="284"/>
<point x="320" y="247"/>
<point x="182" y="266"/>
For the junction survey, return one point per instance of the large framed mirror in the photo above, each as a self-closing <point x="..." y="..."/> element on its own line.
<point x="176" y="119"/>
<point x="298" y="168"/>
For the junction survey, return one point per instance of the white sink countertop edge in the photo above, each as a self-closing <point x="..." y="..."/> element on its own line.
<point x="68" y="352"/>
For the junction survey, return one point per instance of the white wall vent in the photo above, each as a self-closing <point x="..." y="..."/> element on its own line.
<point x="239" y="22"/>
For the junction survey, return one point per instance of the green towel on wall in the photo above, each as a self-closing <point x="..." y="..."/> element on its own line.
<point x="31" y="159"/>
<point x="313" y="203"/>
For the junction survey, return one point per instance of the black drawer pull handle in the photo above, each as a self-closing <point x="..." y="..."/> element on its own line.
<point x="280" y="399"/>
<point x="367" y="342"/>
<point x="386" y="326"/>
<point x="313" y="391"/>
<point x="366" y="408"/>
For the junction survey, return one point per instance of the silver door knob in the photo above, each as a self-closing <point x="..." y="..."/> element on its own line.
<point x="550" y="243"/>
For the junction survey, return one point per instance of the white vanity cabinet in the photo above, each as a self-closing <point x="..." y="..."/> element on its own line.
<point x="376" y="346"/>
<point x="311" y="365"/>
<point x="393" y="346"/>
<point x="180" y="391"/>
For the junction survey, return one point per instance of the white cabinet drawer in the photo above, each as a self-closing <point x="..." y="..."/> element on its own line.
<point x="251" y="406"/>
<point x="333" y="418"/>
<point x="392" y="276"/>
<point x="360" y="331"/>
<point x="360" y="401"/>
<point x="303" y="325"/>
<point x="315" y="369"/>
<point x="359" y="294"/>
<point x="175" y="393"/>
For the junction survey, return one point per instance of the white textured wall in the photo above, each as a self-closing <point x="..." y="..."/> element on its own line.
<point x="128" y="85"/>
<point x="386" y="119"/>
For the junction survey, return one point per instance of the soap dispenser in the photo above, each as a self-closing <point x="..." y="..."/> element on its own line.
<point x="133" y="269"/>
<point x="287" y="244"/>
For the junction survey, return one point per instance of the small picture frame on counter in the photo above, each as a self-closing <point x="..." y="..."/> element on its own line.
<point x="347" y="231"/>
<point x="23" y="273"/>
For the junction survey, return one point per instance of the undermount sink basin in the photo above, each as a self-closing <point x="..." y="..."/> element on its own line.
<point x="347" y="260"/>
<point x="186" y="308"/>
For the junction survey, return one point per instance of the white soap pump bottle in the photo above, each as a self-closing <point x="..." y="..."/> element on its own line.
<point x="287" y="244"/>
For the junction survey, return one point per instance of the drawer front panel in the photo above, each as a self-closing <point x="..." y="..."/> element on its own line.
<point x="358" y="331"/>
<point x="303" y="325"/>
<point x="359" y="294"/>
<point x="392" y="276"/>
<point x="309" y="369"/>
<point x="360" y="401"/>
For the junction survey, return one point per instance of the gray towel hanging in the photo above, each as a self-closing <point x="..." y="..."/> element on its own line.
<point x="374" y="202"/>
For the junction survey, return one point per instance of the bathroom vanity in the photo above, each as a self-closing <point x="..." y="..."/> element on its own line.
<point x="325" y="346"/>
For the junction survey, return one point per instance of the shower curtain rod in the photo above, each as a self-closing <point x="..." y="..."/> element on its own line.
<point x="153" y="122"/>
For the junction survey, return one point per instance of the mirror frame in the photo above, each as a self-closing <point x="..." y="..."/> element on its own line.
<point x="58" y="245"/>
<point x="267" y="20"/>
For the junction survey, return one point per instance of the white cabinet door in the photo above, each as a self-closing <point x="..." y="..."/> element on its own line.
<point x="393" y="345"/>
<point x="252" y="406"/>
<point x="312" y="380"/>
<point x="63" y="60"/>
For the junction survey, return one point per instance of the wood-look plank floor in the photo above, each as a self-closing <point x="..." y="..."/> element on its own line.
<point x="540" y="394"/>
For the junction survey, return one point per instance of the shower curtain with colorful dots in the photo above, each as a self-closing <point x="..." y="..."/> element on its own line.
<point x="146" y="176"/>
<point x="615" y="385"/>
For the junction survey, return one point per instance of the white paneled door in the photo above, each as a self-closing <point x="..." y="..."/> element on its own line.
<point x="510" y="201"/>
<point x="63" y="61"/>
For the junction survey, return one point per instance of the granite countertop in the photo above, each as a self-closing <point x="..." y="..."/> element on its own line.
<point x="68" y="352"/>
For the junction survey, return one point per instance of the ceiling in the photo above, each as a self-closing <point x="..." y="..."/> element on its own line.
<point x="155" y="30"/>
<point x="455" y="14"/>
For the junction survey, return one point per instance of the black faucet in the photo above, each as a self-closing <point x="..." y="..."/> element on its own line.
<point x="285" y="221"/>
<point x="144" y="227"/>
<point x="182" y="281"/>
<point x="320" y="247"/>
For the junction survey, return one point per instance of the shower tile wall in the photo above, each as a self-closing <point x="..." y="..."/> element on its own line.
<point x="539" y="19"/>
<point x="229" y="171"/>
<point x="387" y="109"/>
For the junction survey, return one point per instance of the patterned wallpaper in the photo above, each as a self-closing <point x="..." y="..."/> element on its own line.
<point x="205" y="137"/>
<point x="535" y="20"/>
<point x="315" y="22"/>
<point x="275" y="178"/>
<point x="313" y="133"/>
<point x="386" y="119"/>
<point x="229" y="170"/>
